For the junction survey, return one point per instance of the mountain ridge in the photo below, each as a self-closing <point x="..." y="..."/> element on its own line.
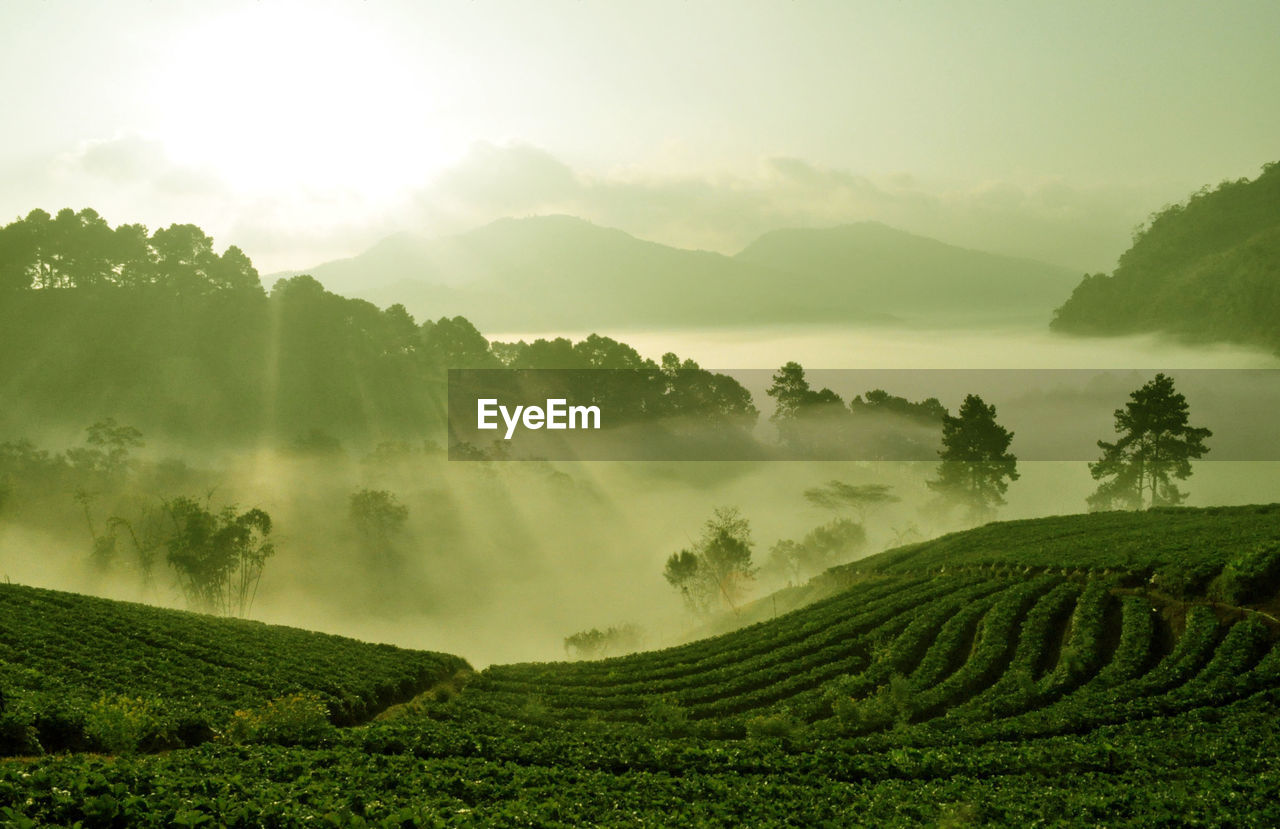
<point x="501" y="274"/>
<point x="901" y="265"/>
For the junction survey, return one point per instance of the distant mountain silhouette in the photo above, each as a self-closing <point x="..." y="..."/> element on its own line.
<point x="562" y="272"/>
<point x="1208" y="269"/>
<point x="901" y="273"/>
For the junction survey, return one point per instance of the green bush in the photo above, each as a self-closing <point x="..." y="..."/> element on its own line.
<point x="536" y="712"/>
<point x="667" y="717"/>
<point x="781" y="726"/>
<point x="120" y="724"/>
<point x="1186" y="580"/>
<point x="295" y="720"/>
<point x="1249" y="577"/>
<point x="18" y="733"/>
<point x="891" y="705"/>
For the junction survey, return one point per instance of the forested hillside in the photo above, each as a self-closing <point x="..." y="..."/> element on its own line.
<point x="161" y="332"/>
<point x="1207" y="269"/>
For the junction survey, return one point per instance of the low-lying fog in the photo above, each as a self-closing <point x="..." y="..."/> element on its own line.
<point x="500" y="562"/>
<point x="919" y="346"/>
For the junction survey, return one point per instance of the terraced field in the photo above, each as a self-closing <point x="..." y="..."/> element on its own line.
<point x="61" y="654"/>
<point x="963" y="681"/>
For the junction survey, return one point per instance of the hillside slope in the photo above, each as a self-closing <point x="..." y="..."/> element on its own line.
<point x="1207" y="270"/>
<point x="559" y="271"/>
<point x="903" y="274"/>
<point x="62" y="653"/>
<point x="999" y="691"/>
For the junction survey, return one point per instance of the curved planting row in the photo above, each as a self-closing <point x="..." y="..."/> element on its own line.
<point x="926" y="625"/>
<point x="984" y="655"/>
<point x="841" y="637"/>
<point x="760" y="639"/>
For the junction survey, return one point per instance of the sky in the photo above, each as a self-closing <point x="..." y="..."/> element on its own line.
<point x="304" y="132"/>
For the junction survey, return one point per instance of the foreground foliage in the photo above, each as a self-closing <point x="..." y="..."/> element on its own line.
<point x="998" y="692"/>
<point x="79" y="673"/>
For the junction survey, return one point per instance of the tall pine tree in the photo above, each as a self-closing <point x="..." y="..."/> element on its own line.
<point x="976" y="463"/>
<point x="1156" y="445"/>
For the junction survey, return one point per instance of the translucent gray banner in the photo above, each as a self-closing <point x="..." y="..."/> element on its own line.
<point x="840" y="414"/>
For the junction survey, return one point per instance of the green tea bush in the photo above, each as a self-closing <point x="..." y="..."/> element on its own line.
<point x="781" y="726"/>
<point x="667" y="717"/>
<point x="892" y="705"/>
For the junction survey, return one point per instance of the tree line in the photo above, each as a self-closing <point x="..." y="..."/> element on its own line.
<point x="1153" y="451"/>
<point x="161" y="331"/>
<point x="814" y="422"/>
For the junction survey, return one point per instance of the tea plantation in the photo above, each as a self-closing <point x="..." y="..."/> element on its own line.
<point x="1113" y="669"/>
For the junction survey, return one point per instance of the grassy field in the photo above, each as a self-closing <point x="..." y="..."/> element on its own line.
<point x="1116" y="669"/>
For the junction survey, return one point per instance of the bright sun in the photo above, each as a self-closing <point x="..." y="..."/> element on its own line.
<point x="301" y="100"/>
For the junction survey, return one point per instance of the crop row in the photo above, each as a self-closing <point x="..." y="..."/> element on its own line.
<point x="61" y="655"/>
<point x="833" y="641"/>
<point x="1140" y="773"/>
<point x="760" y="639"/>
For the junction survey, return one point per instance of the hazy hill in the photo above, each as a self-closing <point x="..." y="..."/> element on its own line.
<point x="904" y="274"/>
<point x="1208" y="269"/>
<point x="559" y="271"/>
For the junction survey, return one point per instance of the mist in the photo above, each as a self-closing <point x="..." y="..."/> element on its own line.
<point x="501" y="561"/>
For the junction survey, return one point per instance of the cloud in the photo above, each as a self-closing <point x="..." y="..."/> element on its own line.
<point x="141" y="162"/>
<point x="127" y="158"/>
<point x="134" y="178"/>
<point x="1081" y="228"/>
<point x="506" y="179"/>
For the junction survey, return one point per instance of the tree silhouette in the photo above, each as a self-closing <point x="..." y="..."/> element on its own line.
<point x="861" y="498"/>
<point x="379" y="519"/>
<point x="976" y="465"/>
<point x="799" y="406"/>
<point x="717" y="567"/>
<point x="596" y="643"/>
<point x="1156" y="445"/>
<point x="218" y="556"/>
<point x="821" y="547"/>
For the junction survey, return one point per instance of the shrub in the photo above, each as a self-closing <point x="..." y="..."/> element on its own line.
<point x="535" y="712"/>
<point x="294" y="720"/>
<point x="1185" y="580"/>
<point x="1249" y="577"/>
<point x="119" y="724"/>
<point x="893" y="704"/>
<point x="596" y="643"/>
<point x="781" y="726"/>
<point x="17" y="732"/>
<point x="667" y="717"/>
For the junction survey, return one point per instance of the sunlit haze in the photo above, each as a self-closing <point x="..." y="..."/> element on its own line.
<point x="646" y="412"/>
<point x="304" y="132"/>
